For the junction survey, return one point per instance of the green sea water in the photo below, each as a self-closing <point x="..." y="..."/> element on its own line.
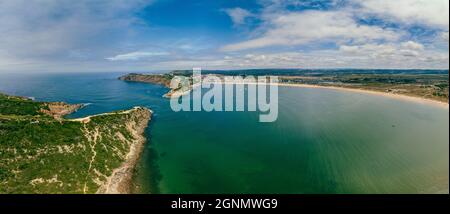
<point x="324" y="141"/>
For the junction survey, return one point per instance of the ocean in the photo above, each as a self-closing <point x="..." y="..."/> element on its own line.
<point x="324" y="141"/>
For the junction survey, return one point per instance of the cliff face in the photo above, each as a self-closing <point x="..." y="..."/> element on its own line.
<point x="40" y="154"/>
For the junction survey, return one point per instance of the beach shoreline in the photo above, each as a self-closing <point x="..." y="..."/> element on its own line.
<point x="378" y="93"/>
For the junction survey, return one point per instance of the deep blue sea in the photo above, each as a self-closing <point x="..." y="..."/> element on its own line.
<point x="324" y="141"/>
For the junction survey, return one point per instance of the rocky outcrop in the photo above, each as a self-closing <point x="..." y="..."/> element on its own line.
<point x="58" y="109"/>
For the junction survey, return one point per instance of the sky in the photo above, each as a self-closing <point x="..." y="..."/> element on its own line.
<point x="162" y="35"/>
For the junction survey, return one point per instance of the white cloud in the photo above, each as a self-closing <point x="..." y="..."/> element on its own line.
<point x="396" y="54"/>
<point x="428" y="12"/>
<point x="369" y="50"/>
<point x="136" y="56"/>
<point x="238" y="15"/>
<point x="412" y="45"/>
<point x="309" y="26"/>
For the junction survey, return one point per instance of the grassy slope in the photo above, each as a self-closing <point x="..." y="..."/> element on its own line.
<point x="39" y="154"/>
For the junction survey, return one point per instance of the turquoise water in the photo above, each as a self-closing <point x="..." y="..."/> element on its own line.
<point x="324" y="141"/>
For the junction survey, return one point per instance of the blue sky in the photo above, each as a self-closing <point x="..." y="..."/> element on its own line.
<point x="155" y="35"/>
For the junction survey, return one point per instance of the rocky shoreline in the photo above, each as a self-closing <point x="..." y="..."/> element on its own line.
<point x="120" y="181"/>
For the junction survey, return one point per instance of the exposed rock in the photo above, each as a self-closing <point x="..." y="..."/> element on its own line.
<point x="58" y="109"/>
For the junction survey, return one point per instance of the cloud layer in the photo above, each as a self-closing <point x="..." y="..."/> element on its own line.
<point x="136" y="56"/>
<point x="312" y="26"/>
<point x="56" y="32"/>
<point x="369" y="33"/>
<point x="117" y="35"/>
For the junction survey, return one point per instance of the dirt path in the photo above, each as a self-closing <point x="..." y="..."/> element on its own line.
<point x="88" y="118"/>
<point x="94" y="139"/>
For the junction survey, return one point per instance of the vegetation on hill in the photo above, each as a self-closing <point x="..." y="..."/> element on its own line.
<point x="43" y="153"/>
<point x="162" y="79"/>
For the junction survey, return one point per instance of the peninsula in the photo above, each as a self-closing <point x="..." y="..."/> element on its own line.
<point x="42" y="152"/>
<point x="161" y="79"/>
